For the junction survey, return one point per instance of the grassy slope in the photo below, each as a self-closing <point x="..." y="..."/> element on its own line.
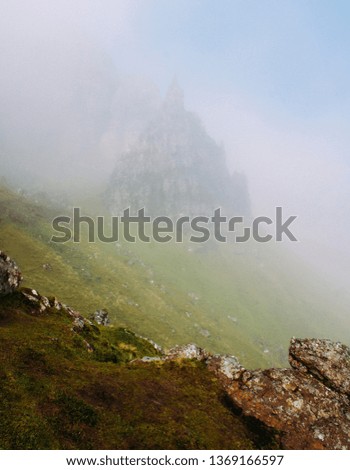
<point x="54" y="394"/>
<point x="229" y="299"/>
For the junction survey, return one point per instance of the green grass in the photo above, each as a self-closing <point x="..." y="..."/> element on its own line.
<point x="241" y="300"/>
<point x="55" y="394"/>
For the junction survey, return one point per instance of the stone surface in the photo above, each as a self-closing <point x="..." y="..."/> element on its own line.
<point x="305" y="413"/>
<point x="149" y="359"/>
<point x="101" y="317"/>
<point x="43" y="305"/>
<point x="39" y="302"/>
<point x="327" y="360"/>
<point x="190" y="351"/>
<point x="226" y="367"/>
<point x="175" y="168"/>
<point x="306" y="406"/>
<point x="10" y="275"/>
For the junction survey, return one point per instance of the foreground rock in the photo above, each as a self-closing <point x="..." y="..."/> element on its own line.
<point x="324" y="359"/>
<point x="10" y="275"/>
<point x="190" y="351"/>
<point x="226" y="368"/>
<point x="305" y="407"/>
<point x="304" y="412"/>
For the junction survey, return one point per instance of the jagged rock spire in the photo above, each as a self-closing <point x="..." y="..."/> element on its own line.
<point x="175" y="168"/>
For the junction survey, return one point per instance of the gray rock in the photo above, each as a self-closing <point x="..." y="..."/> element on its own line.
<point x="175" y="168"/>
<point x="190" y="351"/>
<point x="150" y="359"/>
<point x="324" y="359"/>
<point x="41" y="303"/>
<point x="225" y="366"/>
<point x="101" y="317"/>
<point x="10" y="275"/>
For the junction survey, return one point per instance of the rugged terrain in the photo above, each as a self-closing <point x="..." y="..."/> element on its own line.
<point x="67" y="382"/>
<point x="175" y="168"/>
<point x="71" y="382"/>
<point x="230" y="299"/>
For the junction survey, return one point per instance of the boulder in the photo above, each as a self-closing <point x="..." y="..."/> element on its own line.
<point x="190" y="351"/>
<point x="10" y="275"/>
<point x="100" y="317"/>
<point x="306" y="406"/>
<point x="225" y="367"/>
<point x="326" y="360"/>
<point x="300" y="409"/>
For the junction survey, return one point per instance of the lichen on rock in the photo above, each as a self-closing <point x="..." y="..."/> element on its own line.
<point x="307" y="405"/>
<point x="189" y="351"/>
<point x="327" y="360"/>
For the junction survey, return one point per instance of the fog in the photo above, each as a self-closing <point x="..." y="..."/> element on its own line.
<point x="80" y="79"/>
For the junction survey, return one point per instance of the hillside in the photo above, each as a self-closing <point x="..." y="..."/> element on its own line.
<point x="68" y="383"/>
<point x="227" y="299"/>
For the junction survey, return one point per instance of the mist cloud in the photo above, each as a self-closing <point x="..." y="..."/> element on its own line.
<point x="80" y="79"/>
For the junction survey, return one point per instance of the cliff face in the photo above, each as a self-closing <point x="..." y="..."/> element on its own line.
<point x="176" y="168"/>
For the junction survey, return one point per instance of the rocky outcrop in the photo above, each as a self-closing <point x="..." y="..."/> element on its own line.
<point x="10" y="275"/>
<point x="305" y="406"/>
<point x="41" y="305"/>
<point x="302" y="410"/>
<point x="189" y="351"/>
<point x="326" y="360"/>
<point x="175" y="168"/>
<point x="225" y="367"/>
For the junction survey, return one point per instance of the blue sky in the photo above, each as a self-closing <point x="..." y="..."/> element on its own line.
<point x="289" y="55"/>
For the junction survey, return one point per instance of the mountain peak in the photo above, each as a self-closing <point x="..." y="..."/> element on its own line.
<point x="175" y="168"/>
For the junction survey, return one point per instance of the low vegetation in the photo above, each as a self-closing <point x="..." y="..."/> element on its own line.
<point x="57" y="394"/>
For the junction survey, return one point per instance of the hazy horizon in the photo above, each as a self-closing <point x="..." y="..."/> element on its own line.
<point x="80" y="79"/>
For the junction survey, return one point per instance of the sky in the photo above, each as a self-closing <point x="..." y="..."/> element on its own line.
<point x="269" y="78"/>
